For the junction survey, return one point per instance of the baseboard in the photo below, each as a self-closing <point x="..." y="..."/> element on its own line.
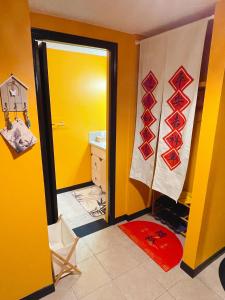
<point x="40" y="293"/>
<point x="138" y="214"/>
<point x="132" y="216"/>
<point x="194" y="272"/>
<point x="74" y="187"/>
<point x="90" y="228"/>
<point x="187" y="269"/>
<point x="119" y="219"/>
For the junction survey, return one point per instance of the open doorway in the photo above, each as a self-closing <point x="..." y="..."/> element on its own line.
<point x="76" y="80"/>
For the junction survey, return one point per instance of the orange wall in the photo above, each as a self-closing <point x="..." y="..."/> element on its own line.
<point x="25" y="259"/>
<point x="130" y="195"/>
<point x="206" y="230"/>
<point x="78" y="97"/>
<point x="24" y="252"/>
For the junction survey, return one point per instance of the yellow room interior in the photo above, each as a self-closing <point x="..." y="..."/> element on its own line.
<point x="78" y="99"/>
<point x="29" y="270"/>
<point x="78" y="95"/>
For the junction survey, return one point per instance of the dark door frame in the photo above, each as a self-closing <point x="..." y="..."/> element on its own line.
<point x="45" y="120"/>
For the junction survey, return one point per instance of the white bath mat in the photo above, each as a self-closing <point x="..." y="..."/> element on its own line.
<point x="92" y="199"/>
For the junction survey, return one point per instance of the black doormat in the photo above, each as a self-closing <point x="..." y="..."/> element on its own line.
<point x="89" y="228"/>
<point x="222" y="273"/>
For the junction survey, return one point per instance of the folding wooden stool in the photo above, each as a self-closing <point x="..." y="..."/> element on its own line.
<point x="62" y="242"/>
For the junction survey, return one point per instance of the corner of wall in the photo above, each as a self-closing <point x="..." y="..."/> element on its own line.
<point x="201" y="242"/>
<point x="25" y="257"/>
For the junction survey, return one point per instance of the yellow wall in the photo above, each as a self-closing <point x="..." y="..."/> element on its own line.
<point x="130" y="195"/>
<point x="206" y="230"/>
<point x="78" y="97"/>
<point x="25" y="257"/>
<point x="25" y="260"/>
<point x="188" y="185"/>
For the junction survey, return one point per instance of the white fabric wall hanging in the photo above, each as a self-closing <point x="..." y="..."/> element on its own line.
<point x="19" y="137"/>
<point x="149" y="100"/>
<point x="181" y="80"/>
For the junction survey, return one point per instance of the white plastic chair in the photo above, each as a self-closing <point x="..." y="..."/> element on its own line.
<point x="62" y="242"/>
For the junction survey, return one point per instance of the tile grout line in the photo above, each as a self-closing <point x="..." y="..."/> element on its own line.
<point x="167" y="289"/>
<point x="116" y="244"/>
<point x="164" y="290"/>
<point x="112" y="280"/>
<point x="172" y="296"/>
<point x="164" y="294"/>
<point x="119" y="274"/>
<point x="205" y="284"/>
<point x="74" y="294"/>
<point x="175" y="283"/>
<point x="88" y="294"/>
<point x="78" y="298"/>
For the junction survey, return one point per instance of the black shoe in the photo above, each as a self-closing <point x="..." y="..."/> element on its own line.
<point x="163" y="216"/>
<point x="166" y="202"/>
<point x="172" y="221"/>
<point x="181" y="210"/>
<point x="176" y="208"/>
<point x="178" y="225"/>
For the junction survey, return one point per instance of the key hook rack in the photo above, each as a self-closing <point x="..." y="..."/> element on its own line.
<point x="14" y="99"/>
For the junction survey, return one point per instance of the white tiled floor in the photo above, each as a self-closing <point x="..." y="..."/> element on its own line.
<point x="114" y="268"/>
<point x="72" y="211"/>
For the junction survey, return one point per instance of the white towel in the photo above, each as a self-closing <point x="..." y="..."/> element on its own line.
<point x="181" y="80"/>
<point x="150" y="91"/>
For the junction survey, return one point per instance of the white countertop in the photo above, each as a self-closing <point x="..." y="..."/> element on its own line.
<point x="101" y="145"/>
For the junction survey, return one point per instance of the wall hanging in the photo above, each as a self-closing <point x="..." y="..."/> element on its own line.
<point x="19" y="137"/>
<point x="150" y="90"/>
<point x="169" y="72"/>
<point x="14" y="99"/>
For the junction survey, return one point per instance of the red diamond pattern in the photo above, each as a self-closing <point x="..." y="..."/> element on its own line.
<point x="147" y="135"/>
<point x="181" y="79"/>
<point x="148" y="101"/>
<point x="176" y="120"/>
<point x="148" y="118"/>
<point x="178" y="101"/>
<point x="171" y="158"/>
<point x="174" y="139"/>
<point x="150" y="82"/>
<point x="146" y="150"/>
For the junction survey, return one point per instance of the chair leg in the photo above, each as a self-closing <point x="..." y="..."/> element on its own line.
<point x="60" y="261"/>
<point x="65" y="263"/>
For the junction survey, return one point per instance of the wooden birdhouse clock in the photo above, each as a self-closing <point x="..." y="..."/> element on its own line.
<point x="14" y="99"/>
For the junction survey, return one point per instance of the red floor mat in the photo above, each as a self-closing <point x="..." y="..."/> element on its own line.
<point x="157" y="241"/>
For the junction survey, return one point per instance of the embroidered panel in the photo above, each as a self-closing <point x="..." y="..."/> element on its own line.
<point x="176" y="120"/>
<point x="148" y="101"/>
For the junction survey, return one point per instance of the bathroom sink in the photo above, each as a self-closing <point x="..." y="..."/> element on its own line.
<point x="101" y="145"/>
<point x="98" y="139"/>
